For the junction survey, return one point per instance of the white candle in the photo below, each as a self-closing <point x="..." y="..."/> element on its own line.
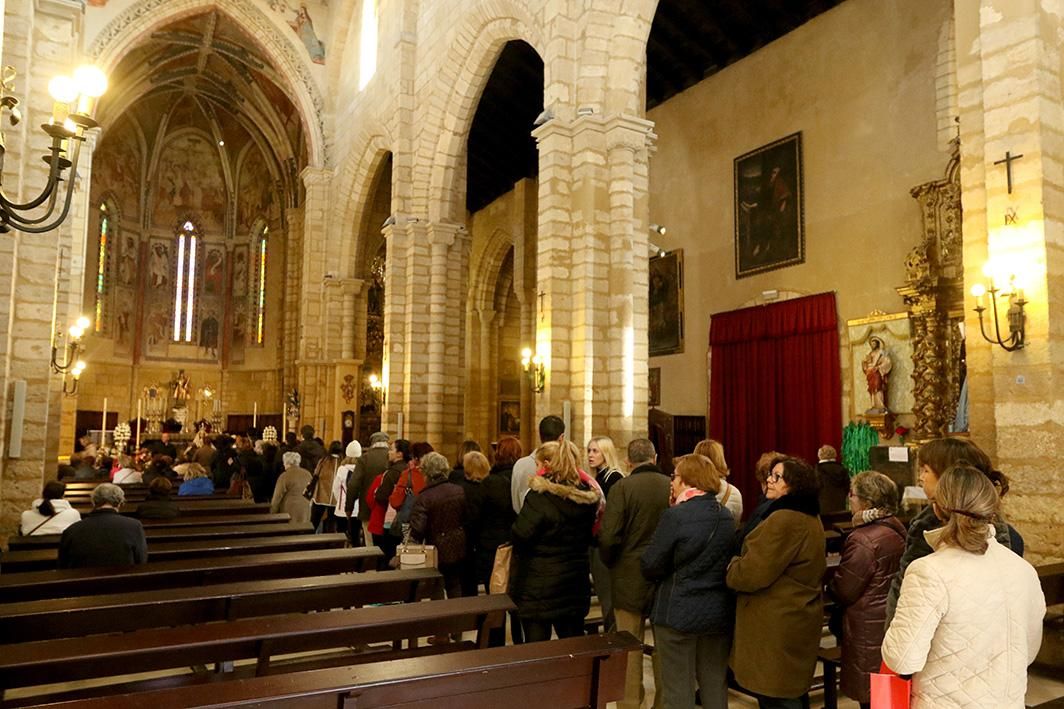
<point x="103" y="432"/>
<point x="138" y="423"/>
<point x="255" y="416"/>
<point x="399" y="425"/>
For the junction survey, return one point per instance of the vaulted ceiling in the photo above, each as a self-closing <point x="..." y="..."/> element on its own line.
<point x="689" y="41"/>
<point x="207" y="62"/>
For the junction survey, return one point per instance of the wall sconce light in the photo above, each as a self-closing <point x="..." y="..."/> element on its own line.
<point x="377" y="386"/>
<point x="534" y="367"/>
<point x="1017" y="320"/>
<point x="658" y="229"/>
<point x="74" y="104"/>
<point x="75" y="377"/>
<point x="74" y="347"/>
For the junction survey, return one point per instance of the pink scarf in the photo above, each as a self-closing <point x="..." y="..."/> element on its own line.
<point x="688" y="494"/>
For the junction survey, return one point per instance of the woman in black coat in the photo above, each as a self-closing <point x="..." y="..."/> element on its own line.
<point x="550" y="580"/>
<point x="438" y="518"/>
<point x="693" y="609"/>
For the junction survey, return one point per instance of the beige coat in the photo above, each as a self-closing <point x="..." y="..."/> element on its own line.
<point x="288" y="494"/>
<point x="779" y="610"/>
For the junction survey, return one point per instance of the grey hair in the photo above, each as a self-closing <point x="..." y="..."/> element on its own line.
<point x="876" y="489"/>
<point x="434" y="466"/>
<point x="291" y="459"/>
<point x="641" y="450"/>
<point x="108" y="494"/>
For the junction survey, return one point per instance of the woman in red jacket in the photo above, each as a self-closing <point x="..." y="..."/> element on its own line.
<point x="870" y="559"/>
<point x="410" y="479"/>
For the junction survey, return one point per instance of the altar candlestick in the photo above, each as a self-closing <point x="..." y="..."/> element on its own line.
<point x="103" y="431"/>
<point x="139" y="401"/>
<point x="255" y="416"/>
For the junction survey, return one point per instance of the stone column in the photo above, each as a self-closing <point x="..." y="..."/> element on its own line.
<point x="1010" y="78"/>
<point x="314" y="372"/>
<point x="591" y="303"/>
<point x="40" y="40"/>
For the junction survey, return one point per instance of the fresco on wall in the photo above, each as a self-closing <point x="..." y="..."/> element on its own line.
<point x="255" y="196"/>
<point x="240" y="271"/>
<point x="188" y="180"/>
<point x="214" y="271"/>
<point x="116" y="168"/>
<point x="298" y="17"/>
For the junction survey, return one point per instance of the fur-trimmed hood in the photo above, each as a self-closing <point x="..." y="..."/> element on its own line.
<point x="579" y="495"/>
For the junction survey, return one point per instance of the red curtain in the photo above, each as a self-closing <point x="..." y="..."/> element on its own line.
<point x="775" y="384"/>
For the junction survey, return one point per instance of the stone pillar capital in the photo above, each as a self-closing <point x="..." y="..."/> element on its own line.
<point x="313" y="176"/>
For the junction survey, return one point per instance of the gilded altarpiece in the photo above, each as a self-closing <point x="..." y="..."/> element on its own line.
<point x="934" y="297"/>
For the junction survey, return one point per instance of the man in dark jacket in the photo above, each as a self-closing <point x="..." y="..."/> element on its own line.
<point x="834" y="480"/>
<point x="633" y="509"/>
<point x="103" y="537"/>
<point x="372" y="463"/>
<point x="310" y="450"/>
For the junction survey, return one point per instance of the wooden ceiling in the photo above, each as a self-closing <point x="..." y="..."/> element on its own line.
<point x="689" y="41"/>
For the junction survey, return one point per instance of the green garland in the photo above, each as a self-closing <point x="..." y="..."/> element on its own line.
<point x="857" y="440"/>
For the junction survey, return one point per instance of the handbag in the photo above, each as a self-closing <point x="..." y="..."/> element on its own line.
<point x="500" y="570"/>
<point x="889" y="691"/>
<point x="311" y="487"/>
<point x="402" y="515"/>
<point x="416" y="556"/>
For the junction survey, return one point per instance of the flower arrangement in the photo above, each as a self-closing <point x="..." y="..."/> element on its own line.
<point x="901" y="432"/>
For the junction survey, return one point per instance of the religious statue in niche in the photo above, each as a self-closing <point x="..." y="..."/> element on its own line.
<point x="181" y="387"/>
<point x="877" y="365"/>
<point x="208" y="340"/>
<point x="213" y="271"/>
<point x="159" y="265"/>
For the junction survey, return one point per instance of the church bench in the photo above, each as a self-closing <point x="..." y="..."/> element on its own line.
<point x="139" y="610"/>
<point x="41" y="559"/>
<point x="214" y="519"/>
<point x="586" y="671"/>
<point x="202" y="507"/>
<point x="70" y="659"/>
<point x="221" y="531"/>
<point x="1051" y="654"/>
<point x="60" y="583"/>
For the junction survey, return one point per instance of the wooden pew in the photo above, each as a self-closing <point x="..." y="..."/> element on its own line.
<point x="60" y="583"/>
<point x="139" y="610"/>
<point x="70" y="659"/>
<point x="1051" y="655"/>
<point x="203" y="507"/>
<point x="574" y="672"/>
<point x="204" y="520"/>
<point x="176" y="534"/>
<point x="41" y="559"/>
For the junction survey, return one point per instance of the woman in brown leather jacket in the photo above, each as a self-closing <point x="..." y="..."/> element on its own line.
<point x="870" y="558"/>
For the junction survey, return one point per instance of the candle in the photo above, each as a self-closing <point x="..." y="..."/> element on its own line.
<point x="138" y="423"/>
<point x="284" y="420"/>
<point x="255" y="416"/>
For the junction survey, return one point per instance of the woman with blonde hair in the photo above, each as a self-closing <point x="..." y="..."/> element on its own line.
<point x="196" y="480"/>
<point x="552" y="536"/>
<point x="969" y="618"/>
<point x="729" y="496"/>
<point x="605" y="462"/>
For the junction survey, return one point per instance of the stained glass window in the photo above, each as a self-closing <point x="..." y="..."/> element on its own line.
<point x="101" y="265"/>
<point x="260" y="290"/>
<point x="185" y="283"/>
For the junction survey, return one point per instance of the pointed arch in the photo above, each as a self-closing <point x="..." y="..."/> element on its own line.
<point x="146" y="16"/>
<point x="355" y="181"/>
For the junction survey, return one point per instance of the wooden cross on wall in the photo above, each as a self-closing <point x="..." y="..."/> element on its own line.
<point x="1007" y="161"/>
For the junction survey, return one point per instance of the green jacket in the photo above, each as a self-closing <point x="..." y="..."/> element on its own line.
<point x="633" y="509"/>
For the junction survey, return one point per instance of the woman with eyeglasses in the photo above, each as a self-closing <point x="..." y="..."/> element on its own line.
<point x="778" y="577"/>
<point x="869" y="561"/>
<point x="969" y="618"/>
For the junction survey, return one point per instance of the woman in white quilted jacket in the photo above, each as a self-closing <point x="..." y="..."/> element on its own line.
<point x="969" y="618"/>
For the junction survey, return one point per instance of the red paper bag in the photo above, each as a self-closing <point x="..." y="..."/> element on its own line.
<point x="889" y="691"/>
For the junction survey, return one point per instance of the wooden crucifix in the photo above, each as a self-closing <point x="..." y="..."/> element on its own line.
<point x="1007" y="161"/>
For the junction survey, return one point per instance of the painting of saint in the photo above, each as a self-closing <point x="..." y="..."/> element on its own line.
<point x="510" y="417"/>
<point x="116" y="167"/>
<point x="768" y="207"/>
<point x="213" y="271"/>
<point x="127" y="262"/>
<point x="666" y="304"/>
<point x="189" y="180"/>
<point x="208" y="340"/>
<point x="159" y="265"/>
<point x="158" y="325"/>
<point x="123" y="325"/>
<point x="240" y="271"/>
<point x="301" y="23"/>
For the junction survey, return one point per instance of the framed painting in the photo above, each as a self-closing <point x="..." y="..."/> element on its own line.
<point x="509" y="417"/>
<point x="666" y="304"/>
<point x="769" y="213"/>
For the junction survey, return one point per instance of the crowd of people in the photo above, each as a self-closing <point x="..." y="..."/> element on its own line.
<point x="948" y="600"/>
